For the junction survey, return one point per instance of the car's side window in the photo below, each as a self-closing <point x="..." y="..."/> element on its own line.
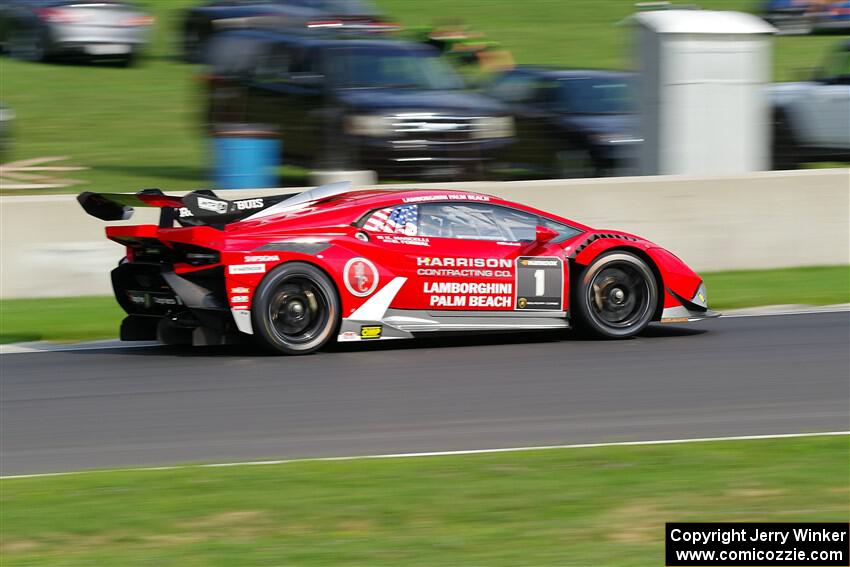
<point x="520" y="226"/>
<point x="564" y="231"/>
<point x="394" y="220"/>
<point x="273" y="65"/>
<point x="476" y="221"/>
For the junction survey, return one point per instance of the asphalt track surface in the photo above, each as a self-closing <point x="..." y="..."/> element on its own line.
<point x="87" y="409"/>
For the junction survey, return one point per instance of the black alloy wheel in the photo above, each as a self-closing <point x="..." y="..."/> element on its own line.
<point x="296" y="309"/>
<point x="617" y="296"/>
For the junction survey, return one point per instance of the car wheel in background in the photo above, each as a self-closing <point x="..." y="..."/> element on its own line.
<point x="296" y="309"/>
<point x="786" y="152"/>
<point x="27" y="44"/>
<point x="128" y="60"/>
<point x="574" y="163"/>
<point x="616" y="296"/>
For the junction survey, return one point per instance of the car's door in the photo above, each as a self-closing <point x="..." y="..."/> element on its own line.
<point x="286" y="93"/>
<point x="471" y="257"/>
<point x="306" y="114"/>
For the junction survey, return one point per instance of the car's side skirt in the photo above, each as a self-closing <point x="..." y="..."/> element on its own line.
<point x="403" y="324"/>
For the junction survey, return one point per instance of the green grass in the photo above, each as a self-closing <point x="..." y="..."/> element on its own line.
<point x="812" y="286"/>
<point x="141" y="127"/>
<point x="60" y="319"/>
<point x="87" y="318"/>
<point x="602" y="506"/>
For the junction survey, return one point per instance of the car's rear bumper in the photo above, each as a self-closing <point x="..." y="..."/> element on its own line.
<point x="164" y="306"/>
<point x="98" y="40"/>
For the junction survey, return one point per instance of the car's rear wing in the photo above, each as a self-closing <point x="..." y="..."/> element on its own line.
<point x="201" y="208"/>
<point x="196" y="208"/>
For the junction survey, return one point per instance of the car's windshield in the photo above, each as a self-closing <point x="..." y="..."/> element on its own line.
<point x="373" y="68"/>
<point x="595" y="96"/>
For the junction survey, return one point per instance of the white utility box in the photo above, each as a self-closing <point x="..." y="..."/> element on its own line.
<point x="702" y="90"/>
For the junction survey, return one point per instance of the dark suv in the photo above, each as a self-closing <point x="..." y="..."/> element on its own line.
<point x="390" y="106"/>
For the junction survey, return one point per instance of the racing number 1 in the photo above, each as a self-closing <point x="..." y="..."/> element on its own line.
<point x="539" y="283"/>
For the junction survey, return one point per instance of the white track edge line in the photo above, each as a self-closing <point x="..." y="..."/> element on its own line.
<point x="441" y="453"/>
<point x="786" y="313"/>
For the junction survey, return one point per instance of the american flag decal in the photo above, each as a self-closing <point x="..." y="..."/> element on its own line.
<point x="397" y="220"/>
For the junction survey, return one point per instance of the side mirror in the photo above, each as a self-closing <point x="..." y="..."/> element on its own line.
<point x="544" y="234"/>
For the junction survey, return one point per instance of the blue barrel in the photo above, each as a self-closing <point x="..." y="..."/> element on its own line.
<point x="246" y="156"/>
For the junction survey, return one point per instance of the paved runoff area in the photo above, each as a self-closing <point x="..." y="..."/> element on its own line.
<point x="103" y="406"/>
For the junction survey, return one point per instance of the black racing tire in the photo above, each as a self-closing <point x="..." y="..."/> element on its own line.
<point x="128" y="61"/>
<point x="616" y="296"/>
<point x="296" y="309"/>
<point x="785" y="151"/>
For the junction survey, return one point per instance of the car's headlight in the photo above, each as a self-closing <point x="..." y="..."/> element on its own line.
<point x="493" y="127"/>
<point x="368" y="125"/>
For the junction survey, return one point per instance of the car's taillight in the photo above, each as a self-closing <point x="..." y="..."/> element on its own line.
<point x="131" y="254"/>
<point x="59" y="15"/>
<point x="138" y="21"/>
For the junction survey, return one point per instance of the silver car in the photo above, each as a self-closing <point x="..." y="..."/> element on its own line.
<point x="36" y="30"/>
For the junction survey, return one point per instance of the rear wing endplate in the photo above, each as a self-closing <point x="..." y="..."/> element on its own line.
<point x="195" y="209"/>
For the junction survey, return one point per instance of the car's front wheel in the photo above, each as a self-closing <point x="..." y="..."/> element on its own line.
<point x="615" y="296"/>
<point x="296" y="309"/>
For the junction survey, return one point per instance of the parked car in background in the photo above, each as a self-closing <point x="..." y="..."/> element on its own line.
<point x="201" y="22"/>
<point x="570" y="123"/>
<point x="35" y="30"/>
<point x="394" y="107"/>
<point x="793" y="17"/>
<point x="7" y="119"/>
<point x="812" y="118"/>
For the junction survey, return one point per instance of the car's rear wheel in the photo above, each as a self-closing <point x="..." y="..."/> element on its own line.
<point x="616" y="296"/>
<point x="786" y="152"/>
<point x="296" y="309"/>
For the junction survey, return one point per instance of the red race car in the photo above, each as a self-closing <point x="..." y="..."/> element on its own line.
<point x="297" y="271"/>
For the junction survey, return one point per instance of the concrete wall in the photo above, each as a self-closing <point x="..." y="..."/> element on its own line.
<point x="50" y="247"/>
